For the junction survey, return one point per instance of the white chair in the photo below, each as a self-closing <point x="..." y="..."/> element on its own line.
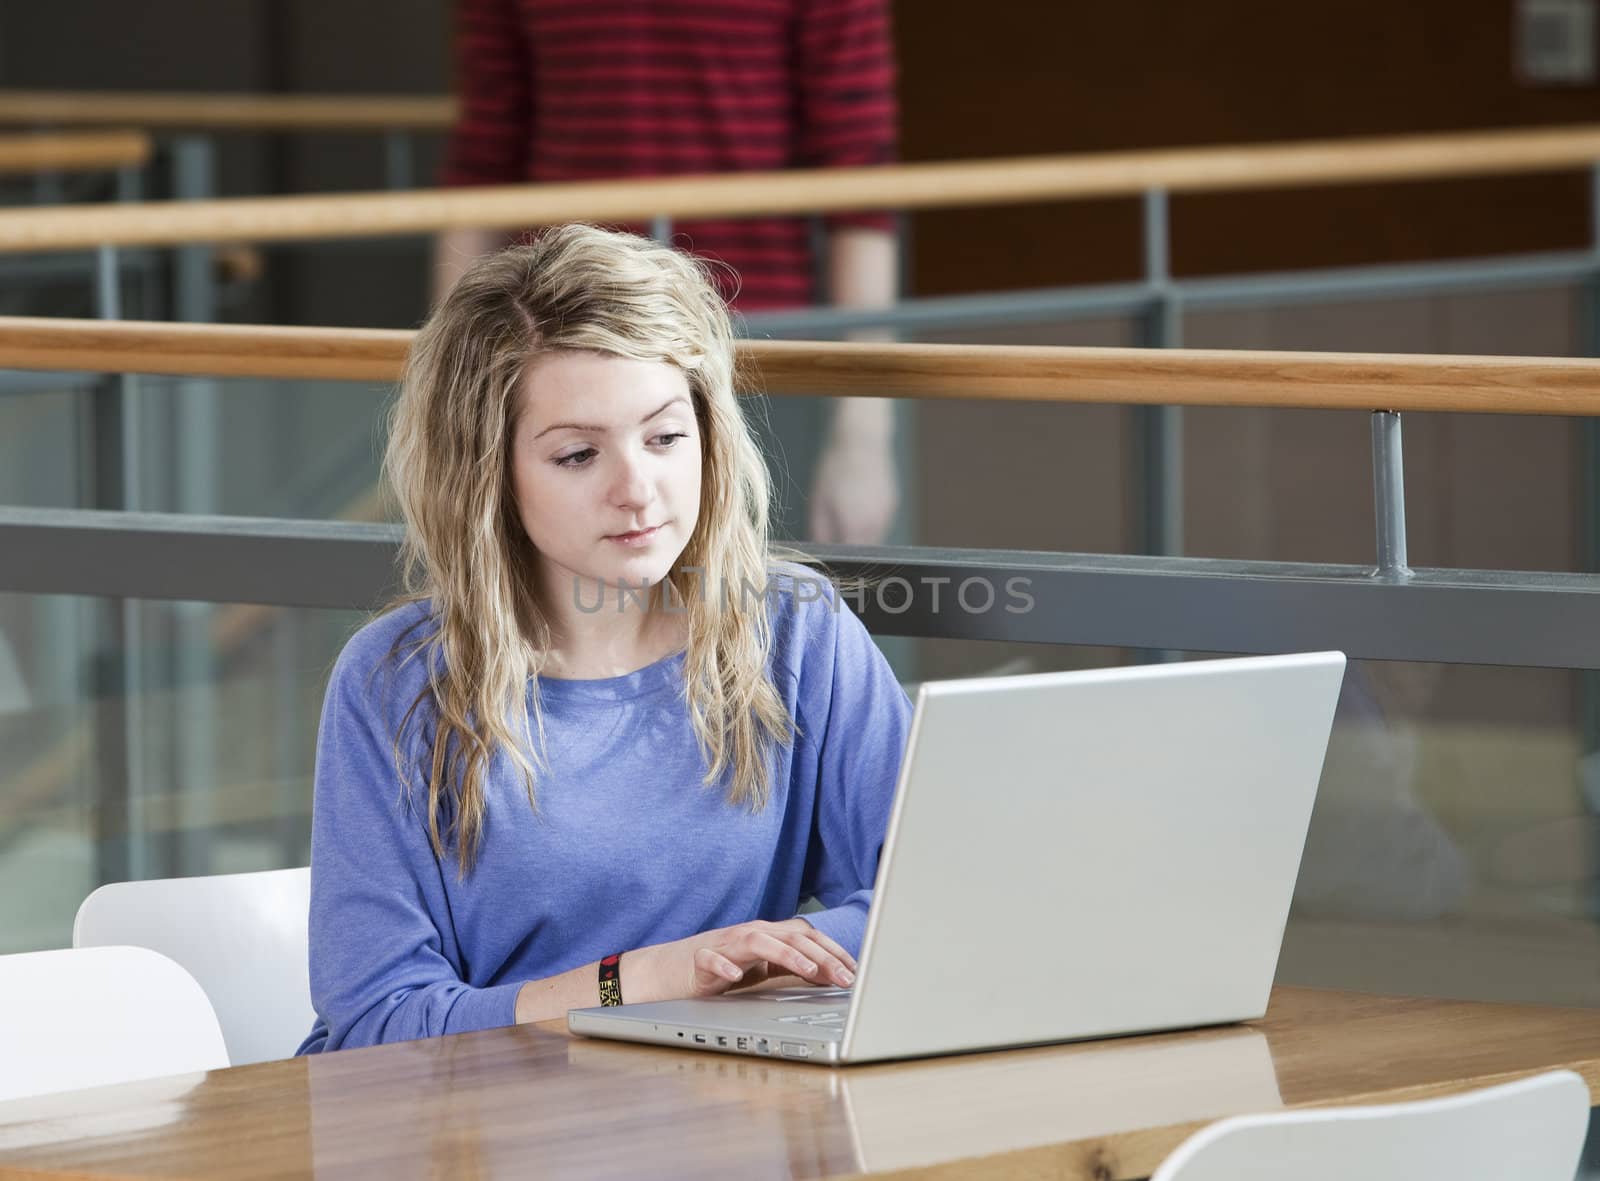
<point x="243" y="936"/>
<point x="1529" y="1130"/>
<point x="95" y="1016"/>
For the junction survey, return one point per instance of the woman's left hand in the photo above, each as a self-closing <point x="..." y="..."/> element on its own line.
<point x="726" y="958"/>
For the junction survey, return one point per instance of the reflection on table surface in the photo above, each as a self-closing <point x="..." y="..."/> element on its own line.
<point x="925" y="1112"/>
<point x="513" y="1101"/>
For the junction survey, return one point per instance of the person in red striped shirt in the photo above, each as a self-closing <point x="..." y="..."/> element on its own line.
<point x="563" y="90"/>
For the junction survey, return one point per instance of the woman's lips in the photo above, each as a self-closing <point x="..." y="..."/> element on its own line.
<point x="638" y="537"/>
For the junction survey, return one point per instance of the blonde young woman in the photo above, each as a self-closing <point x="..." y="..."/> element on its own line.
<point x="609" y="746"/>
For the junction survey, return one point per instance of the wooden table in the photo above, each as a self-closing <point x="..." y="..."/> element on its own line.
<point x="534" y="1101"/>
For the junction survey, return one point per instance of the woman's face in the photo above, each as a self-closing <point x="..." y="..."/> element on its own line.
<point x="605" y="466"/>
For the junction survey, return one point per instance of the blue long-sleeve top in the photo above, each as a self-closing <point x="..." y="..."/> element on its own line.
<point x="628" y="847"/>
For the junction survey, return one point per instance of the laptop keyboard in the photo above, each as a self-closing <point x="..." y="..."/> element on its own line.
<point x="831" y="1017"/>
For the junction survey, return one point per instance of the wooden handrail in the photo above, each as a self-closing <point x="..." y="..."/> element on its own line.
<point x="75" y="151"/>
<point x="228" y="112"/>
<point x="1192" y="377"/>
<point x="902" y="186"/>
<point x="208" y="350"/>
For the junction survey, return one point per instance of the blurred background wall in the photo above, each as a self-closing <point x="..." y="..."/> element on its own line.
<point x="1489" y="752"/>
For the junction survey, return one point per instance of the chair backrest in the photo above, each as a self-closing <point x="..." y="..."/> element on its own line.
<point x="95" y="1016"/>
<point x="1529" y="1130"/>
<point x="243" y="936"/>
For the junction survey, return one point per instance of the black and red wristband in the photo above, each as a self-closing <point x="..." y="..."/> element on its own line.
<point x="611" y="980"/>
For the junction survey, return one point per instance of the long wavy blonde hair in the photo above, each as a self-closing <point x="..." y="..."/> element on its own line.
<point x="467" y="554"/>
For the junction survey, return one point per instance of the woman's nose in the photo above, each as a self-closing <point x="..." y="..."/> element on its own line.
<point x="632" y="487"/>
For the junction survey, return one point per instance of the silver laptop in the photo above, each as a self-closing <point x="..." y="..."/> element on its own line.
<point x="1071" y="855"/>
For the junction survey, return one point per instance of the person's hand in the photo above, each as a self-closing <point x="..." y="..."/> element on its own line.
<point x="734" y="957"/>
<point x="855" y="493"/>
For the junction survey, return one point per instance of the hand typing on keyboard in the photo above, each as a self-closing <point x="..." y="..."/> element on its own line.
<point x="735" y="957"/>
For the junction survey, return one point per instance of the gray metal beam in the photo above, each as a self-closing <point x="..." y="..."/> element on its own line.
<point x="1492" y="617"/>
<point x="931" y="313"/>
<point x="72" y="267"/>
<point x="1222" y="291"/>
<point x="1388" y="282"/>
<point x="203" y="558"/>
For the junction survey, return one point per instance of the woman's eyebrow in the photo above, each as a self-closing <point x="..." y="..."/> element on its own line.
<point x="600" y="430"/>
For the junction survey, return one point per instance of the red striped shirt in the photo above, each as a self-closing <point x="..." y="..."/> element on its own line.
<point x="591" y="89"/>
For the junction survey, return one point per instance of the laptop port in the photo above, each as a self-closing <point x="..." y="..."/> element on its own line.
<point x="742" y="1043"/>
<point x="701" y="1038"/>
<point x="722" y="1041"/>
<point x="796" y="1050"/>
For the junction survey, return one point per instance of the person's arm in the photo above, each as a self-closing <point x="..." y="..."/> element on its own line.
<point x="492" y="137"/>
<point x="857" y="719"/>
<point x="847" y="116"/>
<point x="702" y="965"/>
<point x="856" y="490"/>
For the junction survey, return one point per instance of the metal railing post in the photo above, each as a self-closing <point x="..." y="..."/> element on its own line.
<point x="130" y="187"/>
<point x="115" y="477"/>
<point x="399" y="160"/>
<point x="1589" y="525"/>
<point x="193" y="179"/>
<point x="198" y="435"/>
<point x="49" y="184"/>
<point x="1158" y="430"/>
<point x="1389" y="494"/>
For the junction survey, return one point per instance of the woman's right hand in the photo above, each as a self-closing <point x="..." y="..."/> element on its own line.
<point x="735" y="957"/>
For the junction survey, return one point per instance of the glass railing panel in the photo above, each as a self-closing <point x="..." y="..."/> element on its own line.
<point x="1453" y="850"/>
<point x="1483" y="491"/>
<point x="255" y="447"/>
<point x="151" y="739"/>
<point x="42" y="441"/>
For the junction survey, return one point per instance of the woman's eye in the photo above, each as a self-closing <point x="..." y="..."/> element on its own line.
<point x="577" y="458"/>
<point x="670" y="439"/>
